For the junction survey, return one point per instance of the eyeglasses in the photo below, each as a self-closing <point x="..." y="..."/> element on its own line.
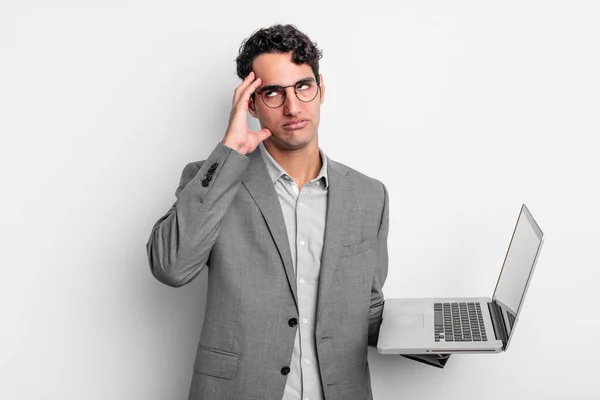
<point x="274" y="96"/>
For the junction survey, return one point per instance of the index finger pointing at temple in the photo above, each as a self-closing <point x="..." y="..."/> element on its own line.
<point x="250" y="89"/>
<point x="240" y="90"/>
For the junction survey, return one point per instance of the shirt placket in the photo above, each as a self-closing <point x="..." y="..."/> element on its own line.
<point x="307" y="284"/>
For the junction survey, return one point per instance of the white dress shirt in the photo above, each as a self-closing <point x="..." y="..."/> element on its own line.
<point x="304" y="212"/>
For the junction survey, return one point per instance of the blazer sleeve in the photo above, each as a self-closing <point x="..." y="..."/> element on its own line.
<point x="181" y="240"/>
<point x="380" y="271"/>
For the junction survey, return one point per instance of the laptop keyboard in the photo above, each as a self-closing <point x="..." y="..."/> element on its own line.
<point x="459" y="322"/>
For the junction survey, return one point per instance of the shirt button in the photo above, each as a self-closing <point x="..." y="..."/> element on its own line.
<point x="285" y="370"/>
<point x="293" y="322"/>
<point x="302" y="243"/>
<point x="302" y="281"/>
<point x="307" y="362"/>
<point x="305" y="320"/>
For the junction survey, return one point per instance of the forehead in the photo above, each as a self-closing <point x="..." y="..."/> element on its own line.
<point x="278" y="69"/>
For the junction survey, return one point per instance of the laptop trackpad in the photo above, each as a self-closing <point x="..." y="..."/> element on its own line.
<point x="404" y="321"/>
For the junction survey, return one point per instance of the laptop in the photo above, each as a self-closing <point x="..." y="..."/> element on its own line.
<point x="466" y="325"/>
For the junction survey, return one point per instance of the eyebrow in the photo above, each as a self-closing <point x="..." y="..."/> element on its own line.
<point x="274" y="87"/>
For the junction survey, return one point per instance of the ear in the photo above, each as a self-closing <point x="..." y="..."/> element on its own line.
<point x="322" y="85"/>
<point x="252" y="106"/>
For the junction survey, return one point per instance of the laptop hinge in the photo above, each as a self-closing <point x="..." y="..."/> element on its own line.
<point x="498" y="322"/>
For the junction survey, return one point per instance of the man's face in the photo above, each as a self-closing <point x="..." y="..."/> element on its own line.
<point x="295" y="124"/>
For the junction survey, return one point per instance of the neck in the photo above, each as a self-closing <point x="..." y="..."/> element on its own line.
<point x="301" y="164"/>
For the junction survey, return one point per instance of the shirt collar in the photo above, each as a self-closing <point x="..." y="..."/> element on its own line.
<point x="276" y="172"/>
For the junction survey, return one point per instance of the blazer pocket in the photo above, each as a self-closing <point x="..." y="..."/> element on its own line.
<point x="217" y="363"/>
<point x="355" y="248"/>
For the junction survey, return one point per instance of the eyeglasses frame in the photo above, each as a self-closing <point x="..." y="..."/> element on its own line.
<point x="261" y="91"/>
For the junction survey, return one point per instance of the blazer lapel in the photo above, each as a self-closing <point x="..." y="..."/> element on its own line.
<point x="338" y="205"/>
<point x="260" y="186"/>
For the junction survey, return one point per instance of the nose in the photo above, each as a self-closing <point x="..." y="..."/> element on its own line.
<point x="290" y="105"/>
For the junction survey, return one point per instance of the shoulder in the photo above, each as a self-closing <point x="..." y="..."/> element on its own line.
<point x="359" y="181"/>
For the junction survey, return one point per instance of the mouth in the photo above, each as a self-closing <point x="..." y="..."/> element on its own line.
<point x="297" y="124"/>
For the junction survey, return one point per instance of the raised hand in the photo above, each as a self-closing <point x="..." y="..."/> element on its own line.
<point x="239" y="136"/>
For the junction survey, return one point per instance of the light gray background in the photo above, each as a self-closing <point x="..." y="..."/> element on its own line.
<point x="465" y="110"/>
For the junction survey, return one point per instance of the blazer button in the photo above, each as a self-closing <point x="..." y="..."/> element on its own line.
<point x="214" y="166"/>
<point x="293" y="322"/>
<point x="204" y="182"/>
<point x="285" y="370"/>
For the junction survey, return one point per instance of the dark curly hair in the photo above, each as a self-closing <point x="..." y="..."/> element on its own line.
<point x="278" y="39"/>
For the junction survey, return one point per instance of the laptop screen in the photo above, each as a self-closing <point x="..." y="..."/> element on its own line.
<point x="518" y="268"/>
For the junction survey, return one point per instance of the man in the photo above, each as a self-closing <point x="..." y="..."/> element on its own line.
<point x="294" y="242"/>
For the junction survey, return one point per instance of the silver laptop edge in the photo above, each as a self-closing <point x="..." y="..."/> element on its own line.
<point x="505" y="310"/>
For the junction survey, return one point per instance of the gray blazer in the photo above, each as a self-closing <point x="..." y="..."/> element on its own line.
<point x="227" y="217"/>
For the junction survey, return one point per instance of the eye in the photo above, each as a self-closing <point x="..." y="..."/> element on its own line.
<point x="271" y="93"/>
<point x="303" y="86"/>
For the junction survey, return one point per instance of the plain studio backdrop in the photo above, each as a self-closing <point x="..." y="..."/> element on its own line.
<point x="464" y="110"/>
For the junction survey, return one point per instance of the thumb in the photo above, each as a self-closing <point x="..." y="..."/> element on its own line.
<point x="263" y="134"/>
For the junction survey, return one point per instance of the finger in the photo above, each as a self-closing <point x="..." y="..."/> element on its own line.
<point x="242" y="86"/>
<point x="250" y="89"/>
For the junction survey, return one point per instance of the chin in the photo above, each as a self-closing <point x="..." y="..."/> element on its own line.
<point x="292" y="144"/>
<point x="294" y="141"/>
